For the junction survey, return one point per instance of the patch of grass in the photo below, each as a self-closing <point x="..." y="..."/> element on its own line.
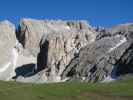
<point x="119" y="90"/>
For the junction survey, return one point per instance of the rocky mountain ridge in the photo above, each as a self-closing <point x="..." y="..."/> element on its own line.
<point x="43" y="51"/>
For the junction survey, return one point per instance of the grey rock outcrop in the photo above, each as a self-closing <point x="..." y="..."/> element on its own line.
<point x="109" y="56"/>
<point x="102" y="32"/>
<point x="44" y="51"/>
<point x="74" y="50"/>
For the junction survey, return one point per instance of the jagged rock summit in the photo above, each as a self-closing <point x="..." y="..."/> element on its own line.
<point x="43" y="51"/>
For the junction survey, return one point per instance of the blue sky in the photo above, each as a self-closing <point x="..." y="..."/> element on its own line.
<point x="104" y="13"/>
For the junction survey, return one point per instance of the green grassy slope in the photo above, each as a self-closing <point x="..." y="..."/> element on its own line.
<point x="120" y="90"/>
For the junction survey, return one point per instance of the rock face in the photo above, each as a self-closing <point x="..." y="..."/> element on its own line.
<point x="43" y="51"/>
<point x="123" y="28"/>
<point x="11" y="52"/>
<point x="31" y="31"/>
<point x="7" y="45"/>
<point x="75" y="51"/>
<point x="108" y="57"/>
<point x="58" y="42"/>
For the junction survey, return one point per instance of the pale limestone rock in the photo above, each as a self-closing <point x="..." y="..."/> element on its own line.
<point x="31" y="31"/>
<point x="56" y="41"/>
<point x="60" y="47"/>
<point x="7" y="49"/>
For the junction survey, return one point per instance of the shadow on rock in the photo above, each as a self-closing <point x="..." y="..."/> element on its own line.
<point x="25" y="70"/>
<point x="42" y="58"/>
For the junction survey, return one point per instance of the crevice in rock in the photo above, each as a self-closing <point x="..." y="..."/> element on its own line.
<point x="42" y="57"/>
<point x="93" y="69"/>
<point x="20" y="35"/>
<point x="70" y="69"/>
<point x="125" y="64"/>
<point x="114" y="72"/>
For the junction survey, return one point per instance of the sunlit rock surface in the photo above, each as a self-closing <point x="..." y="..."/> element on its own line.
<point x="56" y="41"/>
<point x="45" y="51"/>
<point x="105" y="59"/>
<point x="7" y="49"/>
<point x="10" y="49"/>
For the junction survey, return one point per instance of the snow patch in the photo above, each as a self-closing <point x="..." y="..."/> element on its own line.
<point x="107" y="79"/>
<point x="14" y="60"/>
<point x="5" y="67"/>
<point x="83" y="78"/>
<point x="117" y="45"/>
<point x="14" y="56"/>
<point x="111" y="77"/>
<point x="64" y="80"/>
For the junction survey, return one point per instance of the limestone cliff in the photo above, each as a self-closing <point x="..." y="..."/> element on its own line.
<point x="42" y="51"/>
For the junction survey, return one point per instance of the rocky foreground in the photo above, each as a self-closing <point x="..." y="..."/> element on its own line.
<point x="42" y="51"/>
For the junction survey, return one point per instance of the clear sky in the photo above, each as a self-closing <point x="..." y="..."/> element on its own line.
<point x="104" y="13"/>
